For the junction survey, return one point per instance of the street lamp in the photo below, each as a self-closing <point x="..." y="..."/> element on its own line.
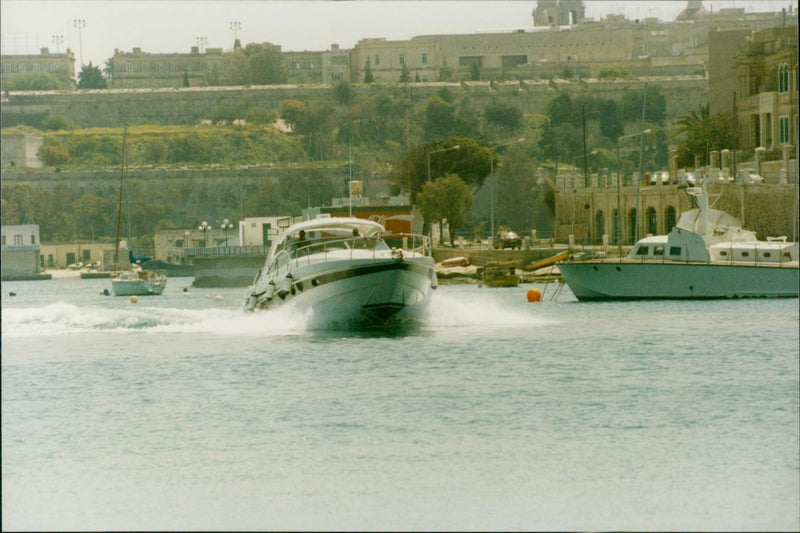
<point x="619" y="179"/>
<point x="80" y="24"/>
<point x="57" y="40"/>
<point x="205" y="228"/>
<point x="491" y="182"/>
<point x="235" y="27"/>
<point x="456" y="147"/>
<point x="186" y="244"/>
<point x="226" y="226"/>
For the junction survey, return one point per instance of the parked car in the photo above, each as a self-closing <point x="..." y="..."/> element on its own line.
<point x="506" y="239"/>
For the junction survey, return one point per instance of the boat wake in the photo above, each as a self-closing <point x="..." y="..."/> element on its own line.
<point x="63" y="318"/>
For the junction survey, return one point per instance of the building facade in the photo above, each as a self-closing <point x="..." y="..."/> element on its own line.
<point x="767" y="94"/>
<point x="60" y="65"/>
<point x="20" y="251"/>
<point x="21" y="150"/>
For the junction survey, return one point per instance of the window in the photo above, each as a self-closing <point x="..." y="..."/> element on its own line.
<point x="642" y="250"/>
<point x="160" y="67"/>
<point x="783" y="129"/>
<point x="37" y="67"/>
<point x="674" y="250"/>
<point x="402" y="59"/>
<point x="18" y="240"/>
<point x="145" y="67"/>
<point x="767" y="254"/>
<point x="723" y="253"/>
<point x="128" y="67"/>
<point x="53" y="67"/>
<point x="424" y="59"/>
<point x="33" y="239"/>
<point x="658" y="250"/>
<point x="377" y="60"/>
<point x="4" y="240"/>
<point x="783" y="78"/>
<point x="745" y="254"/>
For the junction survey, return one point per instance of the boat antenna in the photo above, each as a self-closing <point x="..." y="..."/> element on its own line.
<point x="119" y="205"/>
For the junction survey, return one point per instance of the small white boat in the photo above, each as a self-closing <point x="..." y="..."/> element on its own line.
<point x="706" y="255"/>
<point x="346" y="272"/>
<point x="138" y="282"/>
<point x="133" y="282"/>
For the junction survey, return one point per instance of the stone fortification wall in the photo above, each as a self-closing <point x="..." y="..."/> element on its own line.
<point x="113" y="108"/>
<point x="766" y="209"/>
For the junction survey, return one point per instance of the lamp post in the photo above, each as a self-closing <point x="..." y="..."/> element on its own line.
<point x="205" y="228"/>
<point x="491" y="182"/>
<point x="226" y="225"/>
<point x="235" y="27"/>
<point x="80" y="24"/>
<point x="185" y="246"/>
<point x="456" y="147"/>
<point x="57" y="40"/>
<point x="619" y="180"/>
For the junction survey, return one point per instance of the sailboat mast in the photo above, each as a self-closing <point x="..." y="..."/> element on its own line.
<point x="119" y="205"/>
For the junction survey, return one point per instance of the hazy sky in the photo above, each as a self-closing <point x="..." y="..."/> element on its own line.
<point x="163" y="26"/>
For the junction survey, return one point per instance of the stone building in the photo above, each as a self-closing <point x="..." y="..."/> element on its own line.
<point x="767" y="89"/>
<point x="21" y="150"/>
<point x="60" y="65"/>
<point x="20" y="251"/>
<point x="137" y="69"/>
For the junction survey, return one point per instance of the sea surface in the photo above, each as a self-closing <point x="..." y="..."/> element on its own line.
<point x="182" y="412"/>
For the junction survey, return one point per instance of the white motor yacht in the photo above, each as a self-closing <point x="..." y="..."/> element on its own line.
<point x="706" y="255"/>
<point x="348" y="272"/>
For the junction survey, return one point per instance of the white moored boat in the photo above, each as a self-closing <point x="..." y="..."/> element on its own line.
<point x="346" y="273"/>
<point x="706" y="255"/>
<point x="138" y="282"/>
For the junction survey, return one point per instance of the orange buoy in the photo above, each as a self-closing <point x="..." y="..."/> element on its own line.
<point x="134" y="299"/>
<point x="534" y="295"/>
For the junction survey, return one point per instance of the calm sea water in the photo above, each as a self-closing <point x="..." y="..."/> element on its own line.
<point x="181" y="412"/>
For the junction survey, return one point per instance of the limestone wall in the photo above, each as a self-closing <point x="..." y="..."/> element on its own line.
<point x="113" y="108"/>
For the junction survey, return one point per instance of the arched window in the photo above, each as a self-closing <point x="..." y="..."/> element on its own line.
<point x="599" y="225"/>
<point x="783" y="78"/>
<point x="669" y="219"/>
<point x="652" y="221"/>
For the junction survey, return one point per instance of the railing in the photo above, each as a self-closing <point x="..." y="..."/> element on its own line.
<point x="219" y="251"/>
<point x="297" y="252"/>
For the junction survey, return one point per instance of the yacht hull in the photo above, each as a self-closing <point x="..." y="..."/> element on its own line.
<point x="356" y="293"/>
<point x="143" y="283"/>
<point x="643" y="280"/>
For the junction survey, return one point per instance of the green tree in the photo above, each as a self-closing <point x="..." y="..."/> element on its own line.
<point x="505" y="117"/>
<point x="57" y="123"/>
<point x="703" y="133"/>
<point x="186" y="82"/>
<point x="32" y="81"/>
<point x="258" y="64"/>
<point x="343" y="93"/>
<point x="368" y="77"/>
<point x="446" y="198"/>
<point x="405" y="75"/>
<point x="54" y="154"/>
<point x="632" y="101"/>
<point x="471" y="161"/>
<point x="611" y="125"/>
<point x="440" y="119"/>
<point x="516" y="200"/>
<point x="90" y="77"/>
